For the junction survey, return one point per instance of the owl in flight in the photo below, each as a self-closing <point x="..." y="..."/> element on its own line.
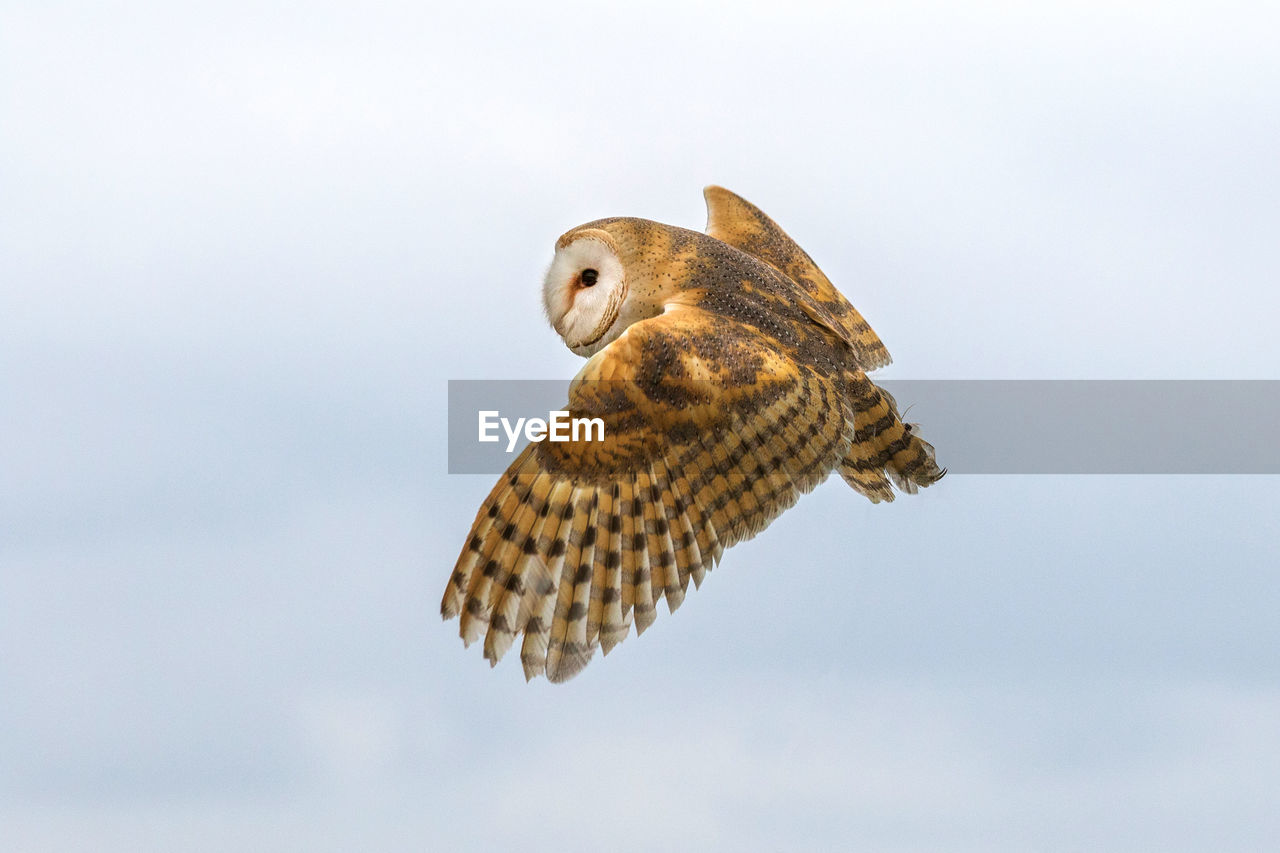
<point x="731" y="378"/>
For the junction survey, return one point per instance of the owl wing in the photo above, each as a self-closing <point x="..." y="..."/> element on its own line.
<point x="710" y="432"/>
<point x="736" y="221"/>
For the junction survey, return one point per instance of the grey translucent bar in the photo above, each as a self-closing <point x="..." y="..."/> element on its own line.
<point x="995" y="426"/>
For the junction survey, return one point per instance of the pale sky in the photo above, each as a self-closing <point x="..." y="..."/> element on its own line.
<point x="244" y="246"/>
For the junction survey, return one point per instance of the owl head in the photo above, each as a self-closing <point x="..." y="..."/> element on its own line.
<point x="607" y="275"/>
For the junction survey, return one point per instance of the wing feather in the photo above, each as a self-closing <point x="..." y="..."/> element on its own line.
<point x="643" y="608"/>
<point x="739" y="223"/>
<point x="626" y="535"/>
<point x="580" y="539"/>
<point x="569" y="651"/>
<point x="494" y="551"/>
<point x="671" y="546"/>
<point x="513" y="600"/>
<point x="684" y="522"/>
<point x="474" y="551"/>
<point x="543" y="587"/>
<point x="613" y="629"/>
<point x="662" y="551"/>
<point x="706" y="541"/>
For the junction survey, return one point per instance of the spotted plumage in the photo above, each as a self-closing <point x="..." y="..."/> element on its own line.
<point x="731" y="378"/>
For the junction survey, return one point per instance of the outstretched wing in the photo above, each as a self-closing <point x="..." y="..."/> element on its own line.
<point x="710" y="432"/>
<point x="736" y="221"/>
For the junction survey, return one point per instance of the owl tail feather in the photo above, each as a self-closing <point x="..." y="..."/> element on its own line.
<point x="884" y="451"/>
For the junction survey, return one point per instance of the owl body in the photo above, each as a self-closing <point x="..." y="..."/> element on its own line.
<point x="731" y="378"/>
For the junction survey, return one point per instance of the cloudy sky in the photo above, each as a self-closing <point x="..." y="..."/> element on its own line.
<point x="243" y="247"/>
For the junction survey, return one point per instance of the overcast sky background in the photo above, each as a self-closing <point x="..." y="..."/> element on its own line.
<point x="243" y="247"/>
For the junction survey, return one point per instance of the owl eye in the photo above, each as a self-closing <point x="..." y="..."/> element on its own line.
<point x="589" y="277"/>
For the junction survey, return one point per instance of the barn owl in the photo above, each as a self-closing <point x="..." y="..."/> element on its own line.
<point x="731" y="378"/>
